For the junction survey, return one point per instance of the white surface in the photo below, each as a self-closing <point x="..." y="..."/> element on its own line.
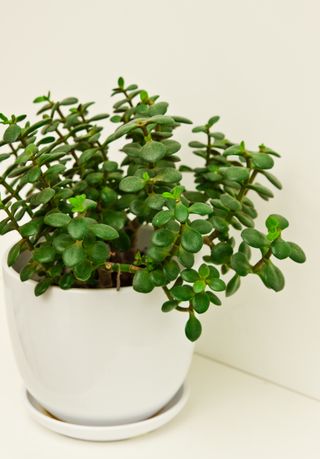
<point x="96" y="357"/>
<point x="230" y="415"/>
<point x="108" y="433"/>
<point x="255" y="63"/>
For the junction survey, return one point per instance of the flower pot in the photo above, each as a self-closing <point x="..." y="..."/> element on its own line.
<point x="96" y="356"/>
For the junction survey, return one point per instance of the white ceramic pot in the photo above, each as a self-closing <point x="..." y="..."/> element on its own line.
<point x="96" y="357"/>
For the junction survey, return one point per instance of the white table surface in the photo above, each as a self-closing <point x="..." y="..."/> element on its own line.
<point x="230" y="415"/>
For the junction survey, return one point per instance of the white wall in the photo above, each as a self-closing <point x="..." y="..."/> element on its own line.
<point x="254" y="62"/>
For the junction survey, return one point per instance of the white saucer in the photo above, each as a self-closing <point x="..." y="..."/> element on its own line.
<point x="108" y="433"/>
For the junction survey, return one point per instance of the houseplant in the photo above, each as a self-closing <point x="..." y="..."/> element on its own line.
<point x="90" y="227"/>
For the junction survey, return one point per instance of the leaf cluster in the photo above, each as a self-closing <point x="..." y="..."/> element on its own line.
<point x="78" y="212"/>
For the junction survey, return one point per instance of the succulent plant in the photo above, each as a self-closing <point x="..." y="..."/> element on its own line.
<point x="78" y="212"/>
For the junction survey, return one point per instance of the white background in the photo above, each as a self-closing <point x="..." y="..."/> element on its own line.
<point x="256" y="63"/>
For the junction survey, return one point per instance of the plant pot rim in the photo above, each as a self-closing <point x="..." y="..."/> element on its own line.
<point x="12" y="272"/>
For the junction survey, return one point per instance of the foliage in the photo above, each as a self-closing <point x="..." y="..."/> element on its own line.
<point x="78" y="212"/>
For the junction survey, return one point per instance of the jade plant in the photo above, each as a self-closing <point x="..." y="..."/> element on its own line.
<point x="78" y="212"/>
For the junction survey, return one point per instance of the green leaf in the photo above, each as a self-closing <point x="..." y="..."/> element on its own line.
<point x="263" y="191"/>
<point x="236" y="173"/>
<point x="12" y="133"/>
<point x="221" y="253"/>
<point x="182" y="292"/>
<point x="105" y="232"/>
<point x="87" y="155"/>
<point x="14" y="253"/>
<point x="57" y="219"/>
<point x="271" y="276"/>
<point x="121" y="131"/>
<point x="4" y="156"/>
<point x="69" y="101"/>
<point x="198" y="129"/>
<point x="272" y="179"/>
<point x="31" y="228"/>
<point x="276" y="222"/>
<point x="162" y="218"/>
<point x="39" y="99"/>
<point x="73" y="255"/>
<point x="229" y="202"/>
<point x="255" y="238"/>
<point x="200" y="208"/>
<point x="168" y="175"/>
<point x="245" y="219"/>
<point x="121" y="82"/>
<point x="213" y="120"/>
<point x="280" y="249"/>
<point x="100" y="116"/>
<point x="158" y="278"/>
<point x="153" y="151"/>
<point x="162" y="120"/>
<point x="66" y="281"/>
<point x="244" y="248"/>
<point x="233" y="150"/>
<point x="296" y="253"/>
<point x="193" y="328"/>
<point x="181" y="212"/>
<point x="169" y="306"/>
<point x="189" y="275"/>
<point x="43" y="197"/>
<point x="171" y="146"/>
<point x="132" y="184"/>
<point x="214" y="299"/>
<point x="182" y="119"/>
<point x="191" y="240"/>
<point x="61" y="242"/>
<point x="114" y="218"/>
<point x="78" y="228"/>
<point x="196" y="144"/>
<point x="42" y="287"/>
<point x="108" y="195"/>
<point x="201" y="226"/>
<point x="240" y="264"/>
<point x="80" y="204"/>
<point x="54" y="171"/>
<point x="158" y="254"/>
<point x="98" y="252"/>
<point x="158" y="109"/>
<point x="27" y="272"/>
<point x="44" y="254"/>
<point x="163" y="237"/>
<point x="199" y="286"/>
<point x="204" y="271"/>
<point x="201" y="302"/>
<point x="216" y="284"/>
<point x="95" y="178"/>
<point x="171" y="270"/>
<point x="28" y="153"/>
<point x="262" y="160"/>
<point x="142" y="281"/>
<point x="185" y="258"/>
<point x="233" y="285"/>
<point x="219" y="223"/>
<point x="83" y="270"/>
<point x="155" y="202"/>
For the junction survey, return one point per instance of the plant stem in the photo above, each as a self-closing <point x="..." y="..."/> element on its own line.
<point x="170" y="297"/>
<point x="208" y="148"/>
<point x="16" y="195"/>
<point x="16" y="226"/>
<point x="121" y="267"/>
<point x="260" y="263"/>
